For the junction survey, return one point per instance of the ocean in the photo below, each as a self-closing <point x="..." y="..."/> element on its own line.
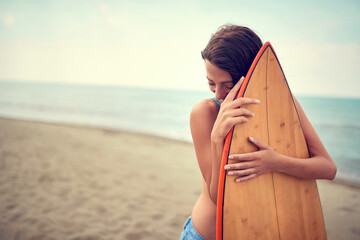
<point x="166" y="113"/>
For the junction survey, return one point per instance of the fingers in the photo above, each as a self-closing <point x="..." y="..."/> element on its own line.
<point x="241" y="112"/>
<point x="237" y="166"/>
<point x="236" y="120"/>
<point x="250" y="165"/>
<point x="231" y="95"/>
<point x="241" y="80"/>
<point x="261" y="145"/>
<point x="236" y="116"/>
<point x="248" y="177"/>
<point x="244" y="156"/>
<point x="237" y="103"/>
<point x="241" y="173"/>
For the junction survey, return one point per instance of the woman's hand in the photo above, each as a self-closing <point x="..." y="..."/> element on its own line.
<point x="231" y="113"/>
<point x="253" y="164"/>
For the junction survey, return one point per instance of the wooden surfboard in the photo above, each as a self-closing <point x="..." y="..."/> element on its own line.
<point x="273" y="205"/>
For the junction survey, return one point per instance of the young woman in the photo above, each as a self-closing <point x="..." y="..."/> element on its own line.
<point x="228" y="57"/>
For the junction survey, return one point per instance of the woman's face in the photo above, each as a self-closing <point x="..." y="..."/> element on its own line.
<point x="220" y="81"/>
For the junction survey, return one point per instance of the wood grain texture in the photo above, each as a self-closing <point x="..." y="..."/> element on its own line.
<point x="251" y="198"/>
<point x="273" y="205"/>
<point x="298" y="204"/>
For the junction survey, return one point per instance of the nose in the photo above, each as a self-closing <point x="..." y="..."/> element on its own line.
<point x="220" y="93"/>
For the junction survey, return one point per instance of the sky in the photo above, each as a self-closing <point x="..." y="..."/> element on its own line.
<point x="157" y="44"/>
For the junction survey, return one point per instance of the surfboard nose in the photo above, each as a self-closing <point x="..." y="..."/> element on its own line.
<point x="272" y="205"/>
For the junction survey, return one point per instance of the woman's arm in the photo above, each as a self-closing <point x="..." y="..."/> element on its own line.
<point x="319" y="166"/>
<point x="202" y="118"/>
<point x="209" y="129"/>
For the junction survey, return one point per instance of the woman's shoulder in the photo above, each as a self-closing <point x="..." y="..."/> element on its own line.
<point x="204" y="111"/>
<point x="205" y="107"/>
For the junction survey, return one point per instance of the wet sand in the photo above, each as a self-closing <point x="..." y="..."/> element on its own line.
<point x="67" y="182"/>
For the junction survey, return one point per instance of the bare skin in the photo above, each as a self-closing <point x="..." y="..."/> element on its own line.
<point x="209" y="128"/>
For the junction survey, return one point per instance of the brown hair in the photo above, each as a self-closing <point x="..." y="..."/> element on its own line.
<point x="233" y="48"/>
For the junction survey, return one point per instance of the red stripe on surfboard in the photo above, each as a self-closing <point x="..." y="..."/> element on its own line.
<point x="222" y="175"/>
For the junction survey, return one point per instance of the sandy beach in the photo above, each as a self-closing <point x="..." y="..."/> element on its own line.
<point x="77" y="183"/>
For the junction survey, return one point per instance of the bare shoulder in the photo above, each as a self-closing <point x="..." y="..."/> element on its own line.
<point x="205" y="109"/>
<point x="202" y="118"/>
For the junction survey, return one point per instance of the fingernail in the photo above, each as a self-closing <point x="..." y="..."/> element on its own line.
<point x="252" y="114"/>
<point x="238" y="180"/>
<point x="230" y="173"/>
<point x="226" y="167"/>
<point x="231" y="157"/>
<point x="251" y="139"/>
<point x="257" y="101"/>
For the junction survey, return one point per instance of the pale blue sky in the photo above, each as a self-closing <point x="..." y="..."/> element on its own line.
<point x="158" y="43"/>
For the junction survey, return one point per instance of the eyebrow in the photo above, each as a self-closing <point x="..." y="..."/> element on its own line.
<point x="222" y="82"/>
